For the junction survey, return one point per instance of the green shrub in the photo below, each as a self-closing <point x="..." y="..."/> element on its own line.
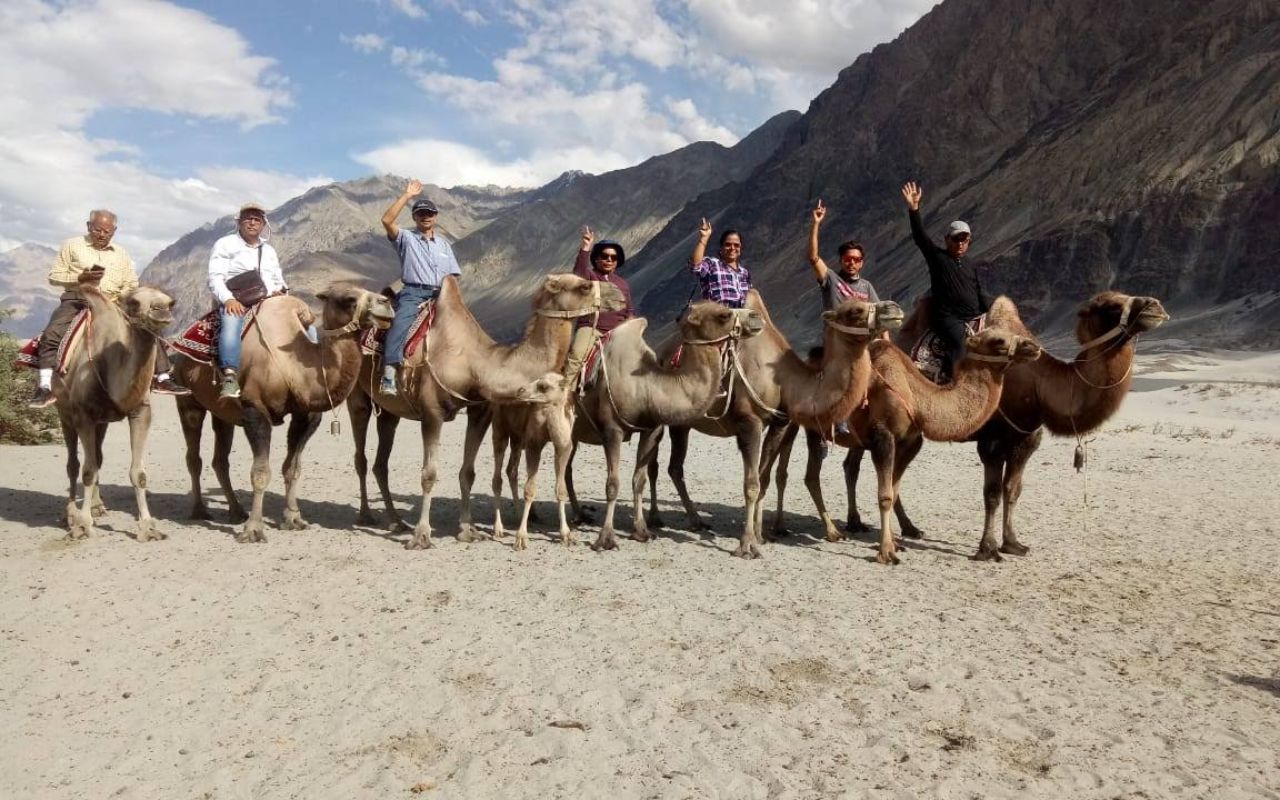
<point x="19" y="424"/>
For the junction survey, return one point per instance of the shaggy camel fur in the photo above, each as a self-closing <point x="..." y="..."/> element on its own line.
<point x="538" y="413"/>
<point x="756" y="413"/>
<point x="460" y="365"/>
<point x="904" y="408"/>
<point x="108" y="379"/>
<point x="283" y="374"/>
<point x="636" y="391"/>
<point x="1069" y="398"/>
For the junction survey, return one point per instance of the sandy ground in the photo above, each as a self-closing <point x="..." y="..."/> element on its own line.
<point x="1132" y="654"/>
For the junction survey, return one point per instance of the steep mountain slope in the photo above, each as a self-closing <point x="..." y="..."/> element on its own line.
<point x="24" y="288"/>
<point x="1091" y="144"/>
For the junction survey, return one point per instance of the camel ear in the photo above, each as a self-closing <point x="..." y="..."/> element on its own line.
<point x="829" y="315"/>
<point x="323" y="297"/>
<point x="553" y="283"/>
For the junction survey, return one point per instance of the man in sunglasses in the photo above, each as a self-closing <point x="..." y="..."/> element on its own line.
<point x="958" y="296"/>
<point x="848" y="283"/>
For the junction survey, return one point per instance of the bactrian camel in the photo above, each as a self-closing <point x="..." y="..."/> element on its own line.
<point x="539" y="412"/>
<point x="904" y="408"/>
<point x="459" y="366"/>
<point x="108" y="378"/>
<point x="770" y="382"/>
<point x="636" y="391"/>
<point x="282" y="373"/>
<point x="1069" y="398"/>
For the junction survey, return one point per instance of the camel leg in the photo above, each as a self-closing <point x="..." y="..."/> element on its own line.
<point x="359" y="410"/>
<point x="1017" y="464"/>
<point x="675" y="470"/>
<point x="777" y="449"/>
<point x="563" y="444"/>
<point x="224" y="437"/>
<point x="513" y="479"/>
<point x="852" y="466"/>
<point x="139" y="424"/>
<point x="813" y="482"/>
<point x="80" y="520"/>
<point x="576" y="510"/>
<point x="96" y="507"/>
<point x="499" y="453"/>
<point x="478" y="419"/>
<point x="646" y="453"/>
<point x="191" y="415"/>
<point x="655" y="517"/>
<point x="613" y="455"/>
<point x="750" y="442"/>
<point x="902" y="458"/>
<point x="301" y="427"/>
<point x="71" y="439"/>
<point x="431" y="425"/>
<point x="532" y="457"/>
<point x="993" y="454"/>
<point x="387" y="424"/>
<point x="882" y="447"/>
<point x="257" y="430"/>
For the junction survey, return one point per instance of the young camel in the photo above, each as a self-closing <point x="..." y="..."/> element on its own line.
<point x="109" y="378"/>
<point x="758" y="405"/>
<point x="283" y="374"/>
<point x="538" y="413"/>
<point x="1069" y="398"/>
<point x="460" y="365"/>
<point x="636" y="391"/>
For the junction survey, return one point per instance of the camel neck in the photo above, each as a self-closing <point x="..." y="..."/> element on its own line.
<point x="1078" y="396"/>
<point x="820" y="396"/>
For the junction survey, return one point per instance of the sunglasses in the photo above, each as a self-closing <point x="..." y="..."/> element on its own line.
<point x="857" y="259"/>
<point x="607" y="257"/>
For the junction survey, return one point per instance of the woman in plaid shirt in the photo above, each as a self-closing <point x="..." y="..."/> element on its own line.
<point x="723" y="278"/>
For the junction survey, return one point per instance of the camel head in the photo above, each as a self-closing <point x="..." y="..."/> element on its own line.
<point x="1002" y="347"/>
<point x="889" y="316"/>
<point x="348" y="307"/>
<point x="567" y="296"/>
<point x="708" y="322"/>
<point x="547" y="390"/>
<point x="863" y="320"/>
<point x="1112" y="315"/>
<point x="147" y="308"/>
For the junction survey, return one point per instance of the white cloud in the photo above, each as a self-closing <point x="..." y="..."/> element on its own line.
<point x="365" y="42"/>
<point x="412" y="59"/>
<point x="409" y="8"/>
<point x="447" y="164"/>
<point x="61" y="63"/>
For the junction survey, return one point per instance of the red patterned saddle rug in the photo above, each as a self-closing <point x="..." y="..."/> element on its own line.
<point x="200" y="341"/>
<point x="373" y="341"/>
<point x="76" y="331"/>
<point x="929" y="352"/>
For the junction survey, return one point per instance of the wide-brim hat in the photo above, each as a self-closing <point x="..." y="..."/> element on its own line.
<point x="598" y="246"/>
<point x="251" y="207"/>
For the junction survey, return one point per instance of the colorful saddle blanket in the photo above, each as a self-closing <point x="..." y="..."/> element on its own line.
<point x="200" y="341"/>
<point x="373" y="341"/>
<point x="591" y="364"/>
<point x="28" y="356"/>
<point x="929" y="352"/>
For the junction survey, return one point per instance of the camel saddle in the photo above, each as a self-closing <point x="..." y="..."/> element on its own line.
<point x="591" y="364"/>
<point x="200" y="341"/>
<point x="76" y="331"/>
<point x="929" y="352"/>
<point x="373" y="341"/>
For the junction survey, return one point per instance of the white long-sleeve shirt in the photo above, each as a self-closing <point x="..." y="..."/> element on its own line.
<point x="232" y="255"/>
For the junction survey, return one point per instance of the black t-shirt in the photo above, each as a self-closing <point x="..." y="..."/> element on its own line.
<point x="957" y="292"/>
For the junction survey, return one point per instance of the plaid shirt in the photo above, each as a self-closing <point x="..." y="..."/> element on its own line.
<point x="722" y="283"/>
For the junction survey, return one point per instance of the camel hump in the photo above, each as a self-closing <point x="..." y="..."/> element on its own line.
<point x="629" y="333"/>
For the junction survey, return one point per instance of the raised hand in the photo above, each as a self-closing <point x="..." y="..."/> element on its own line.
<point x="912" y="193"/>
<point x="704" y="229"/>
<point x="587" y="238"/>
<point x="819" y="211"/>
<point x="414" y="187"/>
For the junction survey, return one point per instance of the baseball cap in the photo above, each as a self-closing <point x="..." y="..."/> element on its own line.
<point x="425" y="205"/>
<point x="958" y="227"/>
<point x="252" y="207"/>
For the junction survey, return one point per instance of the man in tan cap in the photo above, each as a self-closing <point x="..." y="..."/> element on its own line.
<point x="237" y="254"/>
<point x="112" y="269"/>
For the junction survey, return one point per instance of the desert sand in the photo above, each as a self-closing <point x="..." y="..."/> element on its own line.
<point x="1134" y="653"/>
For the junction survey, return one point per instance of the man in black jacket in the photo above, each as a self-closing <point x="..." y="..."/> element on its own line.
<point x="957" y="293"/>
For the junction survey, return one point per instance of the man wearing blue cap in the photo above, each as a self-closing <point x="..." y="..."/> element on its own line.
<point x="425" y="260"/>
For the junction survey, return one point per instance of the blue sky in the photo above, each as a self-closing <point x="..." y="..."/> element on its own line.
<point x="172" y="113"/>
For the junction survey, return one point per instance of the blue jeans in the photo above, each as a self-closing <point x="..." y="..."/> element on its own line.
<point x="229" y="340"/>
<point x="407" y="302"/>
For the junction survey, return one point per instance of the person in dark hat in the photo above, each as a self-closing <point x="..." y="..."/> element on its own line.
<point x="425" y="260"/>
<point x="596" y="262"/>
<point x="958" y="296"/>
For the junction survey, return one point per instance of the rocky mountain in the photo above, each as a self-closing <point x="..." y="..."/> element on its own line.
<point x="25" y="289"/>
<point x="1090" y="143"/>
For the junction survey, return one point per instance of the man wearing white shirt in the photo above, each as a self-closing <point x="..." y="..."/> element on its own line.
<point x="235" y="254"/>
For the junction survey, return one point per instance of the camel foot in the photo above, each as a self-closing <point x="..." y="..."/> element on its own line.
<point x="779" y="532"/>
<point x="366" y="517"/>
<point x="148" y="532"/>
<point x="856" y="525"/>
<point x="80" y="530"/>
<point x="605" y="541"/>
<point x="913" y="532"/>
<point x="698" y="526"/>
<point x="1014" y="548"/>
<point x="98" y="511"/>
<point x="237" y="514"/>
<point x="498" y="531"/>
<point x="656" y="521"/>
<point x="584" y="517"/>
<point x="421" y="540"/>
<point x="251" y="534"/>
<point x="889" y="558"/>
<point x="834" y="535"/>
<point x="748" y="550"/>
<point x="566" y="538"/>
<point x="642" y="536"/>
<point x="293" y="521"/>
<point x="986" y="552"/>
<point x="522" y="540"/>
<point x="469" y="534"/>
